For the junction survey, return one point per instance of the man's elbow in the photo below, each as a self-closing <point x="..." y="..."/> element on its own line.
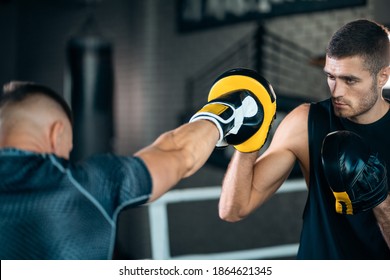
<point x="230" y="215"/>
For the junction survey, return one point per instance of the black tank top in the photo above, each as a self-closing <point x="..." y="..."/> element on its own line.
<point x="325" y="233"/>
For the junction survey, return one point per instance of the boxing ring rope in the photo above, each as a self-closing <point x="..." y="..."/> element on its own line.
<point x="283" y="62"/>
<point x="158" y="218"/>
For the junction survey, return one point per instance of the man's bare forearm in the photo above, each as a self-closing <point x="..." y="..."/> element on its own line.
<point x="237" y="186"/>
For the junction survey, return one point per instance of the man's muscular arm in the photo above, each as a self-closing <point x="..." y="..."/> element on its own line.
<point x="178" y="154"/>
<point x="251" y="180"/>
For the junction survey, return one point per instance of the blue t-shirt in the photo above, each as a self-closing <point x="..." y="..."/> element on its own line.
<point x="53" y="209"/>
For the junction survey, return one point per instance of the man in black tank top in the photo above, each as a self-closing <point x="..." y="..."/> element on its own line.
<point x="357" y="68"/>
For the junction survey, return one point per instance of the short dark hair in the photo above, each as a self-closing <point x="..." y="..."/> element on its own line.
<point x="17" y="91"/>
<point x="364" y="38"/>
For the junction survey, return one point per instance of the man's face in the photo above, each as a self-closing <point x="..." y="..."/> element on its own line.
<point x="353" y="89"/>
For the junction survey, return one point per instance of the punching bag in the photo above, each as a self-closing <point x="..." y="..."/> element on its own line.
<point x="90" y="78"/>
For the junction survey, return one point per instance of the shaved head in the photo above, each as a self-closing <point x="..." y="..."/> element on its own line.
<point x="16" y="92"/>
<point x="35" y="118"/>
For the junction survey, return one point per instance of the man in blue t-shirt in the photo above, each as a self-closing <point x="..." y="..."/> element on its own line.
<point x="52" y="208"/>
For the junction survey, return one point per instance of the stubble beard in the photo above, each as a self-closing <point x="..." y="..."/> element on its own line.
<point x="363" y="105"/>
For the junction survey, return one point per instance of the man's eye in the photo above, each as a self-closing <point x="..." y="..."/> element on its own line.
<point x="350" y="81"/>
<point x="330" y="77"/>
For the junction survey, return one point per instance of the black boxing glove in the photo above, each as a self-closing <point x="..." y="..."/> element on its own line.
<point x="357" y="177"/>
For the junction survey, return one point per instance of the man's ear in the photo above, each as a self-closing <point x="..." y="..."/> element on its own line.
<point x="56" y="133"/>
<point x="383" y="76"/>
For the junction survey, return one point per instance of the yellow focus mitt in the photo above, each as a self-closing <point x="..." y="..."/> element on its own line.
<point x="242" y="104"/>
<point x="254" y="131"/>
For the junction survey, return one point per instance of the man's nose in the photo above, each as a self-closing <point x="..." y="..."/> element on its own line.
<point x="337" y="89"/>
